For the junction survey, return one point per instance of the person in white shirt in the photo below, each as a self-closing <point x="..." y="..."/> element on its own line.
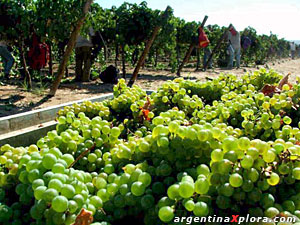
<point x="83" y="51"/>
<point x="8" y="59"/>
<point x="234" y="47"/>
<point x="293" y="49"/>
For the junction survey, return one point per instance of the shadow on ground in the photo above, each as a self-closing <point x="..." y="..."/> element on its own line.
<point x="159" y="77"/>
<point x="97" y="87"/>
<point x="7" y="107"/>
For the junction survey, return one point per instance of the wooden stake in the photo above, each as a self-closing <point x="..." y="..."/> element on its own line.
<point x="186" y="58"/>
<point x="146" y="50"/>
<point x="70" y="47"/>
<point x="50" y="59"/>
<point x="190" y="50"/>
<point x="24" y="64"/>
<point x="143" y="56"/>
<point x="198" y="59"/>
<point x="216" y="48"/>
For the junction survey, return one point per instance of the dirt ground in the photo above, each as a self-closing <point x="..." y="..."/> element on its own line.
<point x="15" y="99"/>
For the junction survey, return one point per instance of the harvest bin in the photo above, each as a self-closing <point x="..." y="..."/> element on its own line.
<point x="27" y="128"/>
<point x="191" y="148"/>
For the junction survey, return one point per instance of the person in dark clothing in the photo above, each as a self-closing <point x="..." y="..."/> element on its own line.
<point x="86" y="51"/>
<point x="6" y="21"/>
<point x="83" y="51"/>
<point x="7" y="58"/>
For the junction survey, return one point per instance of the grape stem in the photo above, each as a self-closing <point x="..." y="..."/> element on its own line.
<point x="102" y="210"/>
<point x="82" y="155"/>
<point x="129" y="131"/>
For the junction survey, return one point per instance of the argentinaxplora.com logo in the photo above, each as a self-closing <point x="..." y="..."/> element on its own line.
<point x="235" y="219"/>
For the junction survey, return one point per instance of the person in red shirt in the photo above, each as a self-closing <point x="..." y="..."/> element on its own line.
<point x="38" y="54"/>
